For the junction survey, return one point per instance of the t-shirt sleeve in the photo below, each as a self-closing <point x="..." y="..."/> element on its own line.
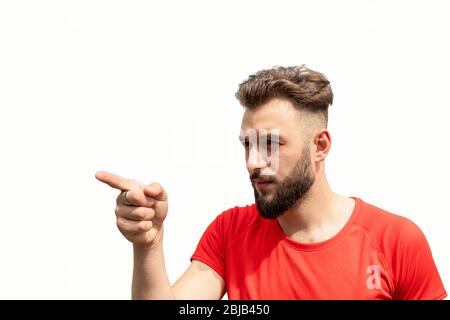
<point x="211" y="247"/>
<point x="415" y="274"/>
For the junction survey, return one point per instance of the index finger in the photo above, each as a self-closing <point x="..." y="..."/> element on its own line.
<point x="117" y="182"/>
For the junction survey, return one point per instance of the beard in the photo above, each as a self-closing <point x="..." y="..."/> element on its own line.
<point x="290" y="191"/>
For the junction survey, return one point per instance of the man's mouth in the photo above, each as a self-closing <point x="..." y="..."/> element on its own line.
<point x="261" y="184"/>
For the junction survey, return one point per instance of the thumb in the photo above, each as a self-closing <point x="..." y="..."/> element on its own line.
<point x="156" y="191"/>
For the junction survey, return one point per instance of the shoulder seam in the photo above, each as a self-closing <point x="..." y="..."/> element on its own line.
<point x="381" y="253"/>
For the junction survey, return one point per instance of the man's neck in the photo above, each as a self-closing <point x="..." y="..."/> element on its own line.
<point x="318" y="216"/>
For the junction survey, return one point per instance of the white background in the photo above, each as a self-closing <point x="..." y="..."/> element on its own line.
<point x="146" y="90"/>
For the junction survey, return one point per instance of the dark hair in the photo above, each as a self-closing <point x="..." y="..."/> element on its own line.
<point x="306" y="89"/>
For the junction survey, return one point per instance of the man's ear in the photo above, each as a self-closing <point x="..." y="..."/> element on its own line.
<point x="322" y="144"/>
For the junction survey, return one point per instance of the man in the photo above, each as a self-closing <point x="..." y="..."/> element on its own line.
<point x="300" y="240"/>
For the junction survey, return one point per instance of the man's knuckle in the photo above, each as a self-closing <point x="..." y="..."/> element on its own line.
<point x="142" y="226"/>
<point x="134" y="197"/>
<point x="139" y="214"/>
<point x="151" y="213"/>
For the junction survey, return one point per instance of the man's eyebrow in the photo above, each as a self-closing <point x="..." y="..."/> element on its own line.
<point x="270" y="135"/>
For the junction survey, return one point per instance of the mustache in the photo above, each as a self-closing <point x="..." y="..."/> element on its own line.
<point x="257" y="176"/>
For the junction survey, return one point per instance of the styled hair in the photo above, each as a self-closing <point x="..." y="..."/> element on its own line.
<point x="306" y="89"/>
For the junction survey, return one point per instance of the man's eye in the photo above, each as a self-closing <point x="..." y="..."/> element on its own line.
<point x="268" y="142"/>
<point x="275" y="142"/>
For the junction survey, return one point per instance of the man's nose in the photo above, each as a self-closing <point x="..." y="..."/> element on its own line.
<point x="255" y="160"/>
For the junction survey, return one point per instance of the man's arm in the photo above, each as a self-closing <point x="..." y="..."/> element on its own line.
<point x="201" y="282"/>
<point x="150" y="280"/>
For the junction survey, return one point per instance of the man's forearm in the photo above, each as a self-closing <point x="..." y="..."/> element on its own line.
<point x="150" y="280"/>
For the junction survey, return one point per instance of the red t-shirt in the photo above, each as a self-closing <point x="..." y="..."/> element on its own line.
<point x="376" y="255"/>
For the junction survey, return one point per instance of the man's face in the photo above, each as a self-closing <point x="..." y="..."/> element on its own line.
<point x="277" y="156"/>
